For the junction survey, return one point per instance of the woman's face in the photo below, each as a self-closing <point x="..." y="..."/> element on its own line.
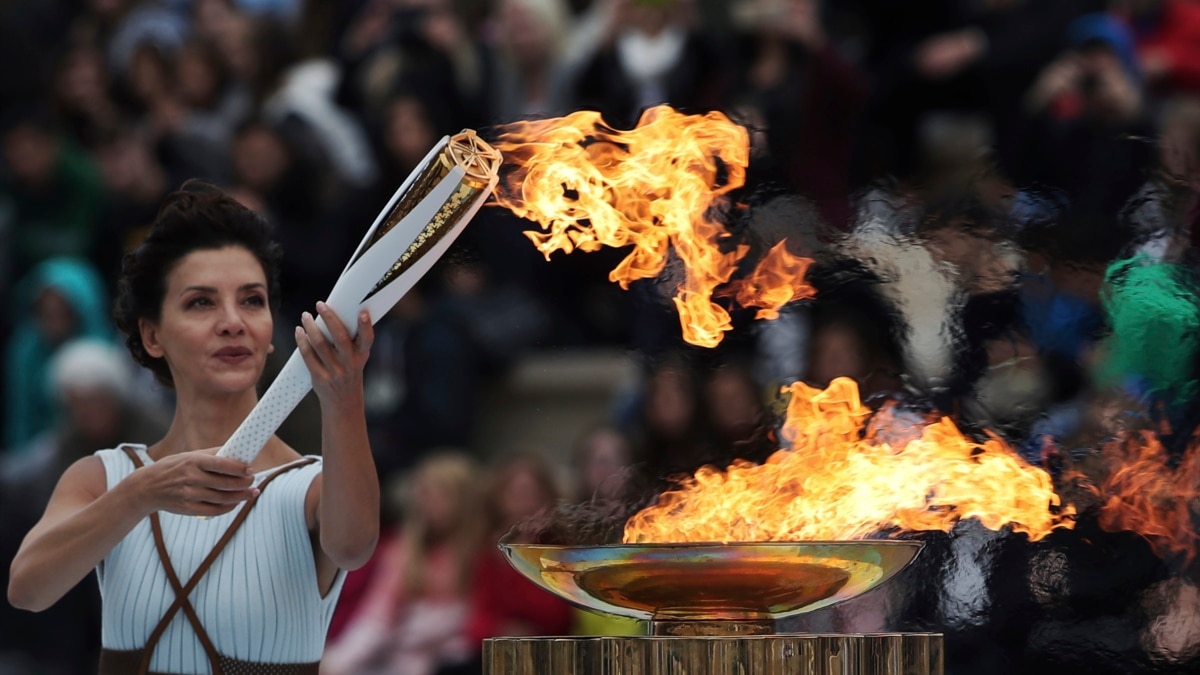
<point x="837" y="351"/>
<point x="215" y="328"/>
<point x="55" y="318"/>
<point x="605" y="458"/>
<point x="197" y="79"/>
<point x="734" y="407"/>
<point x="408" y="135"/>
<point x="522" y="497"/>
<point x="260" y="159"/>
<point x="439" y="506"/>
<point x="670" y="408"/>
<point x="82" y="82"/>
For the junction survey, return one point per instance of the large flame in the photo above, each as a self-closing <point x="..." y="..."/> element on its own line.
<point x="1139" y="490"/>
<point x="843" y="479"/>
<point x="655" y="188"/>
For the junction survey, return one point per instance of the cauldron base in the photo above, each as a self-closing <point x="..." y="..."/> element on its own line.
<point x="807" y="654"/>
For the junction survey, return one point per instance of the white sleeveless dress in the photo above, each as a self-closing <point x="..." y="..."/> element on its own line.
<point x="259" y="602"/>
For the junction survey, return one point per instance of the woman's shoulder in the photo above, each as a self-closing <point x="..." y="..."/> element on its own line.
<point x="87" y="475"/>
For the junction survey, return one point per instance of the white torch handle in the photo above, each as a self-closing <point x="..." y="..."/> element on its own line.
<point x="347" y="298"/>
<point x="284" y="394"/>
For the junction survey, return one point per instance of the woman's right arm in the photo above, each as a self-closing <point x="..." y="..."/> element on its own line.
<point x="84" y="520"/>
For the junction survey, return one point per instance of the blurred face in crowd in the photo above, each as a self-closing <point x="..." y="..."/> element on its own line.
<point x="235" y="44"/>
<point x="523" y="494"/>
<point x="604" y="456"/>
<point x="438" y="504"/>
<point x="260" y="159"/>
<point x="213" y="18"/>
<point x="1109" y="91"/>
<point x="526" y="31"/>
<point x="130" y="169"/>
<point x="837" y="351"/>
<point x="983" y="264"/>
<point x="408" y="133"/>
<point x="670" y="404"/>
<point x="94" y="413"/>
<point x="1179" y="142"/>
<point x="30" y="153"/>
<point x="197" y="77"/>
<point x="215" y="328"/>
<point x="82" y="81"/>
<point x="55" y="318"/>
<point x="149" y="75"/>
<point x="733" y="404"/>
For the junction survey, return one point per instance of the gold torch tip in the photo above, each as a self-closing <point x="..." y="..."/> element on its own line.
<point x="477" y="158"/>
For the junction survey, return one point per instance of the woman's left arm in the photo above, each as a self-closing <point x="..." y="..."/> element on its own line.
<point x="347" y="492"/>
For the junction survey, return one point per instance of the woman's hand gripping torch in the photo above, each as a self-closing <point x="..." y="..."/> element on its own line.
<point x="421" y="221"/>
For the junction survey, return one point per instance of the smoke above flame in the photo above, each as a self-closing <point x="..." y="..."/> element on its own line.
<point x="845" y="477"/>
<point x="656" y="189"/>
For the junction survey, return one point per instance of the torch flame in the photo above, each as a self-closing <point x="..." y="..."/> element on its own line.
<point x="837" y="482"/>
<point x="655" y="188"/>
<point x="1139" y="491"/>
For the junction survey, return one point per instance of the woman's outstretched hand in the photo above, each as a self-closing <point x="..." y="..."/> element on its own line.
<point x="336" y="362"/>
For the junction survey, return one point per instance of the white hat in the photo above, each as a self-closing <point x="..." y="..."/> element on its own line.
<point x="91" y="364"/>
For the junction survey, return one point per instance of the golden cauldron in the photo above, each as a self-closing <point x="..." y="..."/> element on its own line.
<point x="712" y="609"/>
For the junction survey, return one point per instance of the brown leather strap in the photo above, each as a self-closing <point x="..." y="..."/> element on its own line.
<point x="124" y="662"/>
<point x="183" y="591"/>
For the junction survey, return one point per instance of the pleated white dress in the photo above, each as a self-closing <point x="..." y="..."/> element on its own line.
<point x="259" y="602"/>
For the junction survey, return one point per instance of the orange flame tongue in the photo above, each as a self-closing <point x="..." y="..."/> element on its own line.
<point x="835" y="485"/>
<point x="652" y="188"/>
<point x="1140" y="492"/>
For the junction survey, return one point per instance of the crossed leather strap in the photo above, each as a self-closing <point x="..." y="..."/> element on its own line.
<point x="182" y="591"/>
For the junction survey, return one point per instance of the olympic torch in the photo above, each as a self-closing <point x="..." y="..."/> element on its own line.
<point x="420" y="222"/>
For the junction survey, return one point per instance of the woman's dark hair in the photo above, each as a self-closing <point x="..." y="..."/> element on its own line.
<point x="197" y="217"/>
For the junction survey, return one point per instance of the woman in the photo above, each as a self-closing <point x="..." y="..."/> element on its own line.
<point x="248" y="587"/>
<point x="413" y="613"/>
<point x="60" y="299"/>
<point x="503" y="602"/>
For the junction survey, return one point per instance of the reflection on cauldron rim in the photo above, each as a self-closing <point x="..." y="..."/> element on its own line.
<point x="712" y="581"/>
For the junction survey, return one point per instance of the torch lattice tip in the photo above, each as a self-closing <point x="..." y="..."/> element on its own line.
<point x="479" y="159"/>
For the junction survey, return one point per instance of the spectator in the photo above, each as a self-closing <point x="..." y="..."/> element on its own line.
<point x="52" y="196"/>
<point x="216" y="104"/>
<point x="672" y="434"/>
<point x="943" y="61"/>
<point x="503" y="601"/>
<point x="93" y="381"/>
<point x="272" y="178"/>
<point x="602" y="459"/>
<point x="64" y="299"/>
<point x="654" y="55"/>
<point x="82" y="93"/>
<point x="136" y="184"/>
<point x="531" y="78"/>
<point x="848" y="342"/>
<point x="1086" y="114"/>
<point x="793" y="82"/>
<point x="413" y="618"/>
<point x="428" y="44"/>
<point x="1179" y="141"/>
<point x="1167" y="35"/>
<point x="736" y="411"/>
<point x="412" y="121"/>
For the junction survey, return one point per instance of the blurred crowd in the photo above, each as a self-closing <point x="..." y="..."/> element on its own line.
<point x="975" y="180"/>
